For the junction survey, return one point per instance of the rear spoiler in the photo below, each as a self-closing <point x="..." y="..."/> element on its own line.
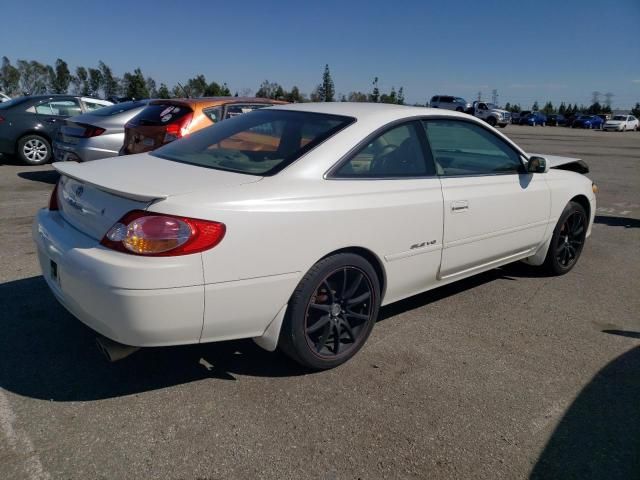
<point x="141" y="193"/>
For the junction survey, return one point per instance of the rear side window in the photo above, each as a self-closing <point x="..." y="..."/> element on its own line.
<point x="160" y="114"/>
<point x="262" y="142"/>
<point x="463" y="148"/>
<point x="117" y="108"/>
<point x="59" y="108"/>
<point x="237" y="109"/>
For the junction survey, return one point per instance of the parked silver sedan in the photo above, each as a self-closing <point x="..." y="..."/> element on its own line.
<point x="95" y="135"/>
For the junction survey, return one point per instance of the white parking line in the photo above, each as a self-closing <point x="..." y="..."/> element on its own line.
<point x="19" y="441"/>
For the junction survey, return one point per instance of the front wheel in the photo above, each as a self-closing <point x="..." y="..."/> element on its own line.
<point x="491" y="121"/>
<point x="332" y="312"/>
<point x="567" y="240"/>
<point x="34" y="150"/>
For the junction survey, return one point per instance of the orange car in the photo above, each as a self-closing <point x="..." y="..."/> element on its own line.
<point x="163" y="121"/>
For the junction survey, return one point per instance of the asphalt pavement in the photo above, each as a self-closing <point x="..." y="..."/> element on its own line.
<point x="506" y="375"/>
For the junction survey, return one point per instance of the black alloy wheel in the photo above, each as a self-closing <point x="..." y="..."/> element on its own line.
<point x="568" y="240"/>
<point x="338" y="312"/>
<point x="332" y="312"/>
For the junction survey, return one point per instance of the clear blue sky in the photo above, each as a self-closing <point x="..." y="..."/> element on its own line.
<point x="535" y="50"/>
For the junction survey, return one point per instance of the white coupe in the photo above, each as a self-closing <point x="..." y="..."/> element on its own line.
<point x="292" y="225"/>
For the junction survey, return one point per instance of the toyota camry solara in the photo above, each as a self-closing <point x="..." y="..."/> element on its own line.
<point x="292" y="225"/>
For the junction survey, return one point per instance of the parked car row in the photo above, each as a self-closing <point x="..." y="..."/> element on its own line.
<point x="488" y="112"/>
<point x="29" y="124"/>
<point x="65" y="127"/>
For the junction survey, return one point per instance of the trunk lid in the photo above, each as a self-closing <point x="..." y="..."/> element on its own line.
<point x="93" y="196"/>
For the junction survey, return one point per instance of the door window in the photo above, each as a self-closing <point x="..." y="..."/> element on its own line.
<point x="464" y="148"/>
<point x="394" y="153"/>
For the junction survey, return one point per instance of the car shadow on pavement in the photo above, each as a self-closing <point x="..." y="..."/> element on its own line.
<point x="45" y="176"/>
<point x="625" y="222"/>
<point x="46" y="353"/>
<point x="599" y="435"/>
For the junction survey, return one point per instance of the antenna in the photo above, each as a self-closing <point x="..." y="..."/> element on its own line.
<point x="184" y="90"/>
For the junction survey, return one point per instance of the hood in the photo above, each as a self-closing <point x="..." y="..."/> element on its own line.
<point x="145" y="177"/>
<point x="564" y="163"/>
<point x="499" y="110"/>
<point x="615" y="122"/>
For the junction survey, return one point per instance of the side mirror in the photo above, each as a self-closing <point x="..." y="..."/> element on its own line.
<point x="537" y="165"/>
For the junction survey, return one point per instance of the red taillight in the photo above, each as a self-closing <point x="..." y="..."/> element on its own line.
<point x="179" y="128"/>
<point x="53" y="200"/>
<point x="91" y="130"/>
<point x="1" y="119"/>
<point x="160" y="235"/>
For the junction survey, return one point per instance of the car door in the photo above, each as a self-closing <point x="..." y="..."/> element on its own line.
<point x="391" y="178"/>
<point x="52" y="111"/>
<point x="493" y="210"/>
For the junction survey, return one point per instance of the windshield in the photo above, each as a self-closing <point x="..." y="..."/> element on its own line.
<point x="460" y="100"/>
<point x="261" y="142"/>
<point x="117" y="108"/>
<point x="13" y="102"/>
<point x="619" y="117"/>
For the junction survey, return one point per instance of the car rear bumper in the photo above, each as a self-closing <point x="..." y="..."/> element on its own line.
<point x="80" y="153"/>
<point x="83" y="276"/>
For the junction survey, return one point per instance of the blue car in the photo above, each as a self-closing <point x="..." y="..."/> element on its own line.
<point x="588" y="121"/>
<point x="533" y="119"/>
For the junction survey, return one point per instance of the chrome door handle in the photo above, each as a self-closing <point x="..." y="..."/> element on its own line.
<point x="459" y="205"/>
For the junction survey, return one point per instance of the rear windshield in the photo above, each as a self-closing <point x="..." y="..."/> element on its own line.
<point x="13" y="102"/>
<point x="160" y="114"/>
<point x="261" y="142"/>
<point x="117" y="108"/>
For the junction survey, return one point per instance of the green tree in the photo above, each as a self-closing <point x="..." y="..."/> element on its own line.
<point x="562" y="109"/>
<point x="358" y="97"/>
<point x="95" y="81"/>
<point x="507" y="107"/>
<point x="110" y="84"/>
<point x="134" y="85"/>
<point x="269" y="90"/>
<point x="548" y="108"/>
<point x="34" y="77"/>
<point x="326" y="90"/>
<point x="81" y="81"/>
<point x="294" y="95"/>
<point x="594" y="108"/>
<point x="535" y="106"/>
<point x="375" y="93"/>
<point x="9" y="78"/>
<point x="163" y="91"/>
<point x="635" y="111"/>
<point x="60" y="78"/>
<point x="400" y="99"/>
<point x="150" y="83"/>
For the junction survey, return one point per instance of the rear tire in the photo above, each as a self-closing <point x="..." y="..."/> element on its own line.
<point x="34" y="150"/>
<point x="332" y="312"/>
<point x="567" y="240"/>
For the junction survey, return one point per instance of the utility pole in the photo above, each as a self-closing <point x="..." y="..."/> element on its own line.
<point x="494" y="97"/>
<point x="607" y="99"/>
<point x="480" y="95"/>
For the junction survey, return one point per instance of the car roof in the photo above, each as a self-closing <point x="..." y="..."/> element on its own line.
<point x="213" y="101"/>
<point x="362" y="110"/>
